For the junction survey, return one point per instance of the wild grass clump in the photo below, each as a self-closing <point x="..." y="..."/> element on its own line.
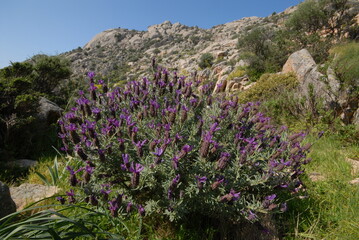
<point x="38" y="223"/>
<point x="158" y="148"/>
<point x="331" y="210"/>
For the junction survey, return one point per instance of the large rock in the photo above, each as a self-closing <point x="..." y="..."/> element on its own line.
<point x="49" y="111"/>
<point x="220" y="85"/>
<point x="311" y="81"/>
<point x="7" y="205"/>
<point x="237" y="84"/>
<point x="204" y="74"/>
<point x="27" y="193"/>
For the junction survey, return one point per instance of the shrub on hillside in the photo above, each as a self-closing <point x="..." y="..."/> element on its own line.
<point x="238" y="72"/>
<point x="206" y="60"/>
<point x="309" y="17"/>
<point x="158" y="148"/>
<point x="268" y="86"/>
<point x="346" y="63"/>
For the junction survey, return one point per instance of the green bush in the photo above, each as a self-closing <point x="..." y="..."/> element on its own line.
<point x="238" y="72"/>
<point x="346" y="63"/>
<point x="266" y="50"/>
<point x="257" y="41"/>
<point x="267" y="86"/>
<point x="21" y="86"/>
<point x="309" y="17"/>
<point x="48" y="72"/>
<point x="206" y="60"/>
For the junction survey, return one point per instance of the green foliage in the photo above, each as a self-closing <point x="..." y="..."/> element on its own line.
<point x="21" y="86"/>
<point x="267" y="86"/>
<point x="238" y="72"/>
<point x="206" y="60"/>
<point x="331" y="211"/>
<point x="309" y="17"/>
<point x="266" y="50"/>
<point x="51" y="224"/>
<point x="313" y="16"/>
<point x="48" y="72"/>
<point x="346" y="63"/>
<point x="257" y="41"/>
<point x="195" y="39"/>
<point x="156" y="51"/>
<point x="54" y="174"/>
<point x="353" y="32"/>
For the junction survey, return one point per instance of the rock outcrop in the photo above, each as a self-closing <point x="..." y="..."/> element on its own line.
<point x="27" y="193"/>
<point x="179" y="46"/>
<point x="48" y="111"/>
<point x="311" y="81"/>
<point x="7" y="205"/>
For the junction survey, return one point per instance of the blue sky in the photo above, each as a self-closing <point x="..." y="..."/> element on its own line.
<point x="29" y="27"/>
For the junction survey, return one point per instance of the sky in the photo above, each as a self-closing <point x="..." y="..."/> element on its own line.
<point x="29" y="27"/>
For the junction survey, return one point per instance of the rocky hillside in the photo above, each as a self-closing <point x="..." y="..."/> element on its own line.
<point x="122" y="54"/>
<point x="176" y="46"/>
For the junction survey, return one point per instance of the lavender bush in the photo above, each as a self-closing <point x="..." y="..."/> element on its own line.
<point x="166" y="146"/>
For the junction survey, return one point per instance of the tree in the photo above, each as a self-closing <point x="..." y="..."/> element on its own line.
<point x="48" y="72"/>
<point x="257" y="41"/>
<point x="309" y="17"/>
<point x="21" y="85"/>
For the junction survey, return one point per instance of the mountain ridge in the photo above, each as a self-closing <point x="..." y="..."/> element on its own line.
<point x="113" y="47"/>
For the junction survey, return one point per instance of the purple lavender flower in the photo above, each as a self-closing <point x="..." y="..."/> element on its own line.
<point x="214" y="128"/>
<point x="71" y="127"/>
<point x="71" y="196"/>
<point x="139" y="146"/>
<point x="206" y="141"/>
<point x="200" y="181"/>
<point x="93" y="200"/>
<point x="175" y="181"/>
<point x="87" y="173"/>
<point x="158" y="152"/>
<point x="230" y="197"/>
<point x="83" y="101"/>
<point x="128" y="207"/>
<point x="236" y="195"/>
<point x="113" y="207"/>
<point x="61" y="200"/>
<point x="283" y="207"/>
<point x="105" y="192"/>
<point x="175" y="161"/>
<point x="223" y="161"/>
<point x="141" y="210"/>
<point x="217" y="182"/>
<point x="251" y="216"/>
<point x="91" y="74"/>
<point x="135" y="169"/>
<point x="126" y="163"/>
<point x="271" y="197"/>
<point x="73" y="179"/>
